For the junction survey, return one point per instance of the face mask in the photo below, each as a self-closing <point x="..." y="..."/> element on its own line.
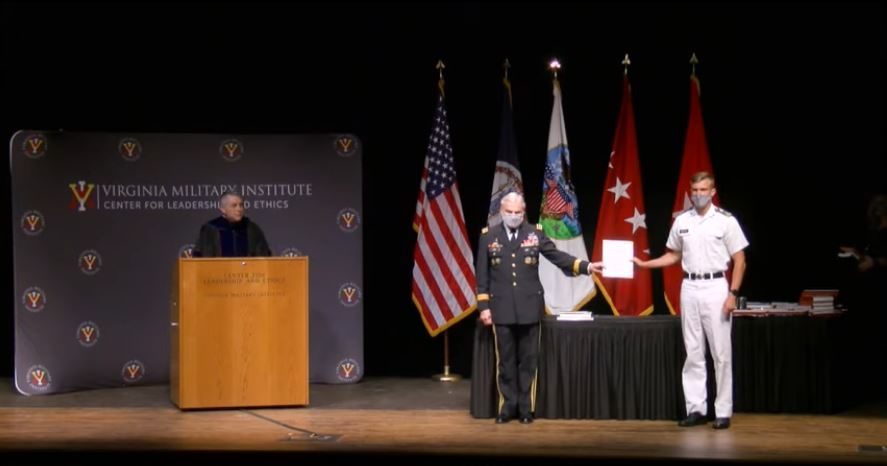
<point x="512" y="220"/>
<point x="700" y="200"/>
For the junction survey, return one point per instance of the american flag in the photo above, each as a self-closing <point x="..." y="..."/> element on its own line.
<point x="444" y="283"/>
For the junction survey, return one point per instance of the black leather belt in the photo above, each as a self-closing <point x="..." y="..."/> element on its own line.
<point x="703" y="276"/>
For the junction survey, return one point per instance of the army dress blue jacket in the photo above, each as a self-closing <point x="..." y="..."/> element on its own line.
<point x="508" y="273"/>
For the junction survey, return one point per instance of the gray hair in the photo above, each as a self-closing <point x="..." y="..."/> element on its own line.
<point x="513" y="196"/>
<point x="229" y="194"/>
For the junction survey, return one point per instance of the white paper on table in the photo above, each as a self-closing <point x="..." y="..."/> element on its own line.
<point x="617" y="259"/>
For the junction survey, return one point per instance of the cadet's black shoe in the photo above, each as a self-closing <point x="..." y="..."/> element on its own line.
<point x="721" y="423"/>
<point x="502" y="419"/>
<point x="528" y="419"/>
<point x="694" y="419"/>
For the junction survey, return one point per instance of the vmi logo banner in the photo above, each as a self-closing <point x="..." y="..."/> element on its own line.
<point x="100" y="221"/>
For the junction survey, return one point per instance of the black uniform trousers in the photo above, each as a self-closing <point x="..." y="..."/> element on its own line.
<point x="508" y="286"/>
<point x="517" y="355"/>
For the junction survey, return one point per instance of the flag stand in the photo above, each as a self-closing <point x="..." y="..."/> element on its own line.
<point x="447" y="376"/>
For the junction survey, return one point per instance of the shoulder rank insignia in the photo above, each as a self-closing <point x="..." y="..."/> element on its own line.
<point x="485" y="230"/>
<point x="539" y="226"/>
<point x="722" y="211"/>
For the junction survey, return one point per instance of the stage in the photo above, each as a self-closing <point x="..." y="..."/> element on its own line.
<point x="401" y="421"/>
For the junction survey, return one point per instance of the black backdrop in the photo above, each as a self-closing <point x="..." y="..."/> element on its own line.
<point x="792" y="99"/>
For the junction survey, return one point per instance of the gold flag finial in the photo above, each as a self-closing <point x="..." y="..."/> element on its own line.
<point x="506" y="82"/>
<point x="625" y="62"/>
<point x="554" y="66"/>
<point x="693" y="62"/>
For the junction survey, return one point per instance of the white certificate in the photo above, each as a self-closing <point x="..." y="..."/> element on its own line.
<point x="617" y="259"/>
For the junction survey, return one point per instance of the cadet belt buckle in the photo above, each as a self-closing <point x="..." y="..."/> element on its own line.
<point x="703" y="276"/>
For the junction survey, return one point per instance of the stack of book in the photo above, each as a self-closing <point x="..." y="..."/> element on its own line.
<point x="819" y="300"/>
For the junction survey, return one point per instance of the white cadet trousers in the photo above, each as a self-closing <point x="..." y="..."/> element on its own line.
<point x="702" y="318"/>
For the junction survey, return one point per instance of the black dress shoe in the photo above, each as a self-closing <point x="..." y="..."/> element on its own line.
<point x="528" y="419"/>
<point x="721" y="423"/>
<point x="694" y="419"/>
<point x="502" y="419"/>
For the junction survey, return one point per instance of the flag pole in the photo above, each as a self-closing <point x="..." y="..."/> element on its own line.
<point x="446" y="376"/>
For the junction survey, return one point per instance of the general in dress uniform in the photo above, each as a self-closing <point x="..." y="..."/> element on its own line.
<point x="511" y="298"/>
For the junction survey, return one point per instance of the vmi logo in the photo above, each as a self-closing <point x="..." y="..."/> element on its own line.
<point x="231" y="150"/>
<point x="348" y="370"/>
<point x="39" y="378"/>
<point x="88" y="333"/>
<point x="133" y="371"/>
<point x="33" y="223"/>
<point x="34" y="146"/>
<point x="291" y="252"/>
<point x="83" y="195"/>
<point x="34" y="299"/>
<point x="349" y="294"/>
<point x="90" y="262"/>
<point x="129" y="149"/>
<point x="186" y="251"/>
<point x="348" y="219"/>
<point x="345" y="145"/>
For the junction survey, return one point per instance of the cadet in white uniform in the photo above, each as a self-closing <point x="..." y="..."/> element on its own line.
<point x="705" y="238"/>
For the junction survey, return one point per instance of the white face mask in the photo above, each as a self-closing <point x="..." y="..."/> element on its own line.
<point x="512" y="220"/>
<point x="700" y="200"/>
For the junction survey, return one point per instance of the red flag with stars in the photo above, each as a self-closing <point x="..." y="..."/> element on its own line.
<point x="695" y="159"/>
<point x="622" y="216"/>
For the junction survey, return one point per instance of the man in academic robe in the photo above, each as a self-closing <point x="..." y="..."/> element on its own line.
<point x="231" y="234"/>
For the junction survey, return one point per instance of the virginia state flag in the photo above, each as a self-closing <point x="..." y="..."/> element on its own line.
<point x="560" y="220"/>
<point x="622" y="217"/>
<point x="507" y="177"/>
<point x="695" y="159"/>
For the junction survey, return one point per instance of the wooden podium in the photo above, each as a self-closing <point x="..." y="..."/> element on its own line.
<point x="239" y="332"/>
